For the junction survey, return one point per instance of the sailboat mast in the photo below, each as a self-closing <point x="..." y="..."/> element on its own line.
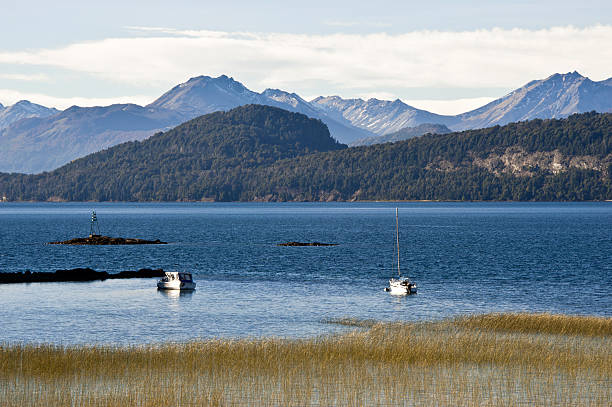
<point x="399" y="274"/>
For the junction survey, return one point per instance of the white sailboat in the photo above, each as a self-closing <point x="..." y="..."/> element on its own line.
<point x="400" y="285"/>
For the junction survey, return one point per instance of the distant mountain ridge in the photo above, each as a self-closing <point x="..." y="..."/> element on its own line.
<point x="34" y="138"/>
<point x="379" y="116"/>
<point x="557" y="96"/>
<point x="23" y="110"/>
<point x="403" y="134"/>
<point x="44" y="143"/>
<point x="203" y="94"/>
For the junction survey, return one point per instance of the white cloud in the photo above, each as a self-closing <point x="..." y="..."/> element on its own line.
<point x="9" y="97"/>
<point x="346" y="64"/>
<point x="24" y="77"/>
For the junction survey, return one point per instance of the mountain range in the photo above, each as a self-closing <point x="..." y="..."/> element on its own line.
<point x="557" y="96"/>
<point x="34" y="138"/>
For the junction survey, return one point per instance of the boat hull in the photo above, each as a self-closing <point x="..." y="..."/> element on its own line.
<point x="176" y="285"/>
<point x="401" y="287"/>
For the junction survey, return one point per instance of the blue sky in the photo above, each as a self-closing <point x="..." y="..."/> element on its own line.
<point x="444" y="56"/>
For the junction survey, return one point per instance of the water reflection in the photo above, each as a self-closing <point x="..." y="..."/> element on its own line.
<point x="399" y="301"/>
<point x="176" y="294"/>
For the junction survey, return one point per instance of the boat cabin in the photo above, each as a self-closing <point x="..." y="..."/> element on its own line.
<point x="173" y="276"/>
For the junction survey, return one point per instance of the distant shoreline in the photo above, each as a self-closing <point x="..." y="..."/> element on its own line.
<point x="320" y="202"/>
<point x="75" y="275"/>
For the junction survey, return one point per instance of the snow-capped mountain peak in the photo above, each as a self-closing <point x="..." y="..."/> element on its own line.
<point x="379" y="116"/>
<point x="204" y="94"/>
<point x="284" y="97"/>
<point x="557" y="96"/>
<point x="22" y="110"/>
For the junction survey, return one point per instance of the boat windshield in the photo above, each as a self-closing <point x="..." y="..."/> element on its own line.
<point x="185" y="276"/>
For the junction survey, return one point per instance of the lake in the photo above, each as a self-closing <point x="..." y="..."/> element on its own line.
<point x="465" y="257"/>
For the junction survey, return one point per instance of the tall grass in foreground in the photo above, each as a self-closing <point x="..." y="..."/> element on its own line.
<point x="490" y="360"/>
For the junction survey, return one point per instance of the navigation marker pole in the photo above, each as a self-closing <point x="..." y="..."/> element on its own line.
<point x="94" y="225"/>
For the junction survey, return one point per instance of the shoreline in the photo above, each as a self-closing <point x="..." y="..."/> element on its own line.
<point x="75" y="275"/>
<point x="508" y="322"/>
<point x="297" y="202"/>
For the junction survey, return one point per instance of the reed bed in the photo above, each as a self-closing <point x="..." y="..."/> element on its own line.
<point x="541" y="323"/>
<point x="488" y="360"/>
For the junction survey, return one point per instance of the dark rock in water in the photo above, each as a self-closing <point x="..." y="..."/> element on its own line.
<point x="77" y="274"/>
<point x="106" y="240"/>
<point x="307" y="244"/>
<point x="142" y="273"/>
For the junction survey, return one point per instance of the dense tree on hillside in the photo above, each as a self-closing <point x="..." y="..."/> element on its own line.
<point x="257" y="152"/>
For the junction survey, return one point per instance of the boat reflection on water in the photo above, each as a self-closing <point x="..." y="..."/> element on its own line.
<point x="176" y="294"/>
<point x="399" y="302"/>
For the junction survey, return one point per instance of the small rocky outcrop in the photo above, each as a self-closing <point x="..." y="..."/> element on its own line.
<point x="307" y="244"/>
<point x="77" y="274"/>
<point x="106" y="240"/>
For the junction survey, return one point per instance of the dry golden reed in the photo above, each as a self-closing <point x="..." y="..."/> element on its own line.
<point x="541" y="323"/>
<point x="486" y="360"/>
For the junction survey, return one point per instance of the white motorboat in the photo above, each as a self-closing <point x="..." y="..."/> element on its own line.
<point x="400" y="285"/>
<point x="176" y="281"/>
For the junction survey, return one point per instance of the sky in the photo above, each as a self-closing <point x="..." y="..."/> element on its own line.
<point x="444" y="56"/>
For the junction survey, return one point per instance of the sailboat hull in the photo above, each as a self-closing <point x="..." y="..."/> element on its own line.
<point x="401" y="287"/>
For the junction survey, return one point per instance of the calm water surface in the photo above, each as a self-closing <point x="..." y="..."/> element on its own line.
<point x="465" y="257"/>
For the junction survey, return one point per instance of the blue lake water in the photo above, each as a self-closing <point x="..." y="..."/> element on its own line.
<point x="465" y="258"/>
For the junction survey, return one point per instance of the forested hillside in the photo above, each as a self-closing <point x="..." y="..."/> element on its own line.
<point x="262" y="153"/>
<point x="551" y="160"/>
<point x="198" y="158"/>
